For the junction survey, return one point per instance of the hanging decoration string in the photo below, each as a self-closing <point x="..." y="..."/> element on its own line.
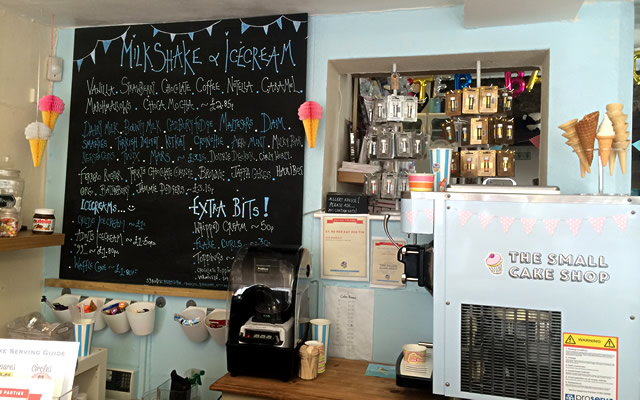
<point x="51" y="54"/>
<point x="38" y="86"/>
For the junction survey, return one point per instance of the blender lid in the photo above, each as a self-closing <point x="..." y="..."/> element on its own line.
<point x="267" y="302"/>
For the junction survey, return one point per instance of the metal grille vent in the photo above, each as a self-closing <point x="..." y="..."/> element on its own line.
<point x="511" y="352"/>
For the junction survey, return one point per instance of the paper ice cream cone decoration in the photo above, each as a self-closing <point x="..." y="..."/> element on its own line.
<point x="621" y="150"/>
<point x="573" y="141"/>
<point x="38" y="134"/>
<point x="51" y="107"/>
<point x="586" y="129"/>
<point x="605" y="137"/>
<point x="310" y="113"/>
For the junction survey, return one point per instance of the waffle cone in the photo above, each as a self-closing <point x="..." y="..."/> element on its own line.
<point x="604" y="147"/>
<point x="620" y="125"/>
<point x="573" y="141"/>
<point x="49" y="118"/>
<point x="614" y="107"/>
<point x="612" y="161"/>
<point x="37" y="150"/>
<point x="621" y="150"/>
<point x="311" y="129"/>
<point x="586" y="129"/>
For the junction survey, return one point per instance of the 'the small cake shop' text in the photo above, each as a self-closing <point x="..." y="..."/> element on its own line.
<point x="564" y="267"/>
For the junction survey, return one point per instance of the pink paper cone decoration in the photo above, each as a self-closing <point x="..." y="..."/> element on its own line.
<point x="484" y="220"/>
<point x="528" y="224"/>
<point x="621" y="221"/>
<point x="506" y="223"/>
<point x="598" y="224"/>
<point x="464" y="216"/>
<point x="51" y="107"/>
<point x="551" y="225"/>
<point x="310" y="113"/>
<point x="574" y="224"/>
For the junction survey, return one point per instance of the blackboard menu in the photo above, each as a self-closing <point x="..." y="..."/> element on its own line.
<point x="184" y="145"/>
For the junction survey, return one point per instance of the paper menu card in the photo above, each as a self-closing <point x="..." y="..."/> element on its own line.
<point x="350" y="311"/>
<point x="39" y="359"/>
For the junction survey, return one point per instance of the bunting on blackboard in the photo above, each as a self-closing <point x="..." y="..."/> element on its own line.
<point x="278" y="21"/>
<point x="173" y="35"/>
<point x="105" y="45"/>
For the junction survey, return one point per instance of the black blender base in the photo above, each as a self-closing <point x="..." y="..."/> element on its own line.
<point x="262" y="360"/>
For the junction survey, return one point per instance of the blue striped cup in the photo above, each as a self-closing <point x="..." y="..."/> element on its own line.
<point x="320" y="331"/>
<point x="83" y="330"/>
<point x="441" y="168"/>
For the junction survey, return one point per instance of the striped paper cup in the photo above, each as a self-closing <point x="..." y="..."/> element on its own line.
<point x="83" y="330"/>
<point x="441" y="168"/>
<point x="420" y="182"/>
<point x="322" y="362"/>
<point x="320" y="331"/>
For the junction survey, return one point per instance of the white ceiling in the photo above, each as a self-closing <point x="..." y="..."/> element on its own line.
<point x="72" y="13"/>
<point x="76" y="13"/>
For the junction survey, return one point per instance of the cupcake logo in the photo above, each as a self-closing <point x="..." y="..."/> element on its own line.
<point x="494" y="263"/>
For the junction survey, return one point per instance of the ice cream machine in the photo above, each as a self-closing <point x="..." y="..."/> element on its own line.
<point x="535" y="293"/>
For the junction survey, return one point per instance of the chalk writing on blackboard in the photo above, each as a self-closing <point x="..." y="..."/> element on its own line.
<point x="184" y="145"/>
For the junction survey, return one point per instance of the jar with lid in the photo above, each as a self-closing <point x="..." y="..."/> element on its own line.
<point x="9" y="226"/>
<point x="44" y="221"/>
<point x="11" y="188"/>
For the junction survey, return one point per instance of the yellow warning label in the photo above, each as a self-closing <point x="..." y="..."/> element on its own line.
<point x="590" y="341"/>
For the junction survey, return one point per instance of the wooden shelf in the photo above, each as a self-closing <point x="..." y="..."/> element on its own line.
<point x="343" y="379"/>
<point x="29" y="240"/>
<point x="350" y="177"/>
<point x="142" y="289"/>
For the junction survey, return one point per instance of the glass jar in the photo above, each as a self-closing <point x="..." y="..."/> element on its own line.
<point x="11" y="189"/>
<point x="9" y="225"/>
<point x="44" y="221"/>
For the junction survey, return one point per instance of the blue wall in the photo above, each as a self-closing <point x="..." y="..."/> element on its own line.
<point x="590" y="66"/>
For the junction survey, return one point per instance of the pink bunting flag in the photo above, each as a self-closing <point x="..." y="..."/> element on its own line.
<point x="535" y="141"/>
<point x="464" y="216"/>
<point x="484" y="220"/>
<point x="621" y="221"/>
<point x="551" y="225"/>
<point x="506" y="223"/>
<point x="574" y="224"/>
<point x="528" y="224"/>
<point x="411" y="216"/>
<point x="429" y="213"/>
<point x="598" y="223"/>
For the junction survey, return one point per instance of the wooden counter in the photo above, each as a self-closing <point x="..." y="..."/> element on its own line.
<point x="343" y="379"/>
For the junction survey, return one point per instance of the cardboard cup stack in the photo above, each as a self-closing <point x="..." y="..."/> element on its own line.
<point x="621" y="140"/>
